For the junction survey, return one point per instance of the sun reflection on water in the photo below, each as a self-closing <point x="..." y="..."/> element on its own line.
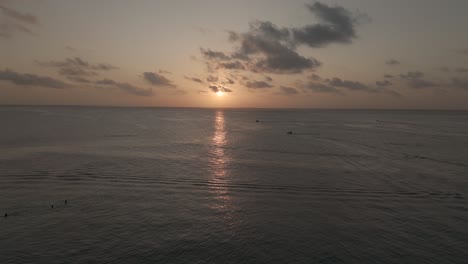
<point x="219" y="161"/>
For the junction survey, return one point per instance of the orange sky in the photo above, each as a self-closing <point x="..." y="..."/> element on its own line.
<point x="274" y="54"/>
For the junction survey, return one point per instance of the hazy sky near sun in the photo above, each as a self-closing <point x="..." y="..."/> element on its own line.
<point x="256" y="53"/>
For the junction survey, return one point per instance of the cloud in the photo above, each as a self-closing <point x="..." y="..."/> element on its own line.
<point x="391" y="92"/>
<point x="217" y="55"/>
<point x="70" y="48"/>
<point x="78" y="79"/>
<point x="20" y="17"/>
<point x="351" y="85"/>
<point x="337" y="85"/>
<point x="444" y="69"/>
<point x="388" y="76"/>
<point x="392" y="62"/>
<point x="212" y="78"/>
<point x="461" y="70"/>
<point x="268" y="78"/>
<point x="415" y="80"/>
<point x="26" y="79"/>
<point x="8" y="30"/>
<point x="164" y="72"/>
<point x="412" y="75"/>
<point x="460" y="83"/>
<point x="314" y="77"/>
<point x="219" y="88"/>
<point x="156" y="79"/>
<point x="16" y="21"/>
<point x="338" y="26"/>
<point x="194" y="79"/>
<point x="77" y="67"/>
<point x="267" y="48"/>
<point x="228" y="81"/>
<point x="287" y="61"/>
<point x="284" y="90"/>
<point x="126" y="87"/>
<point x="383" y="83"/>
<point x="235" y="65"/>
<point x="320" y="87"/>
<point x="257" y="85"/>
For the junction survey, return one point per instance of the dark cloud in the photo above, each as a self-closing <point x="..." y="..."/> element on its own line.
<point x="460" y="83"/>
<point x="284" y="90"/>
<point x="270" y="30"/>
<point x="156" y="79"/>
<point x="235" y="65"/>
<point x="268" y="79"/>
<point x="217" y="55"/>
<point x="126" y="87"/>
<point x="391" y="92"/>
<point x="412" y="75"/>
<point x="164" y="72"/>
<point x="337" y="85"/>
<point x="383" y="83"/>
<point x="78" y="79"/>
<point x="257" y="85"/>
<point x="267" y="48"/>
<point x="320" y="87"/>
<point x="351" y="85"/>
<point x="415" y="80"/>
<point x="314" y="77"/>
<point x="444" y="69"/>
<point x="26" y="79"/>
<point x="287" y="62"/>
<point x="228" y="81"/>
<point x="16" y="21"/>
<point x="194" y="79"/>
<point x="420" y="84"/>
<point x="77" y="67"/>
<point x="392" y="62"/>
<point x="388" y="76"/>
<point x="461" y="70"/>
<point x="219" y="88"/>
<point x="338" y="26"/>
<point x="70" y="48"/>
<point x="212" y="78"/>
<point x="20" y="17"/>
<point x="8" y="30"/>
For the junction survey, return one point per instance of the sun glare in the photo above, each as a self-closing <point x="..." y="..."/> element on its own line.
<point x="219" y="93"/>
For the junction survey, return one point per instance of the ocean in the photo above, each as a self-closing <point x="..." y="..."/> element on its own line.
<point x="183" y="185"/>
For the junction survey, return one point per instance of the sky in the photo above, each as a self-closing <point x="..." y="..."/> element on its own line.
<point x="255" y="54"/>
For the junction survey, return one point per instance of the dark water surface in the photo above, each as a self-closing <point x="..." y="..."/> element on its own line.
<point x="214" y="186"/>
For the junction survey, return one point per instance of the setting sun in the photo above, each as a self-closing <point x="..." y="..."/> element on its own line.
<point x="219" y="93"/>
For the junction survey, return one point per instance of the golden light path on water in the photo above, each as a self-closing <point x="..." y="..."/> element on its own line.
<point x="219" y="159"/>
<point x="223" y="202"/>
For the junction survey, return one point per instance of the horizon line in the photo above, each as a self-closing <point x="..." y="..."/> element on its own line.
<point x="233" y="108"/>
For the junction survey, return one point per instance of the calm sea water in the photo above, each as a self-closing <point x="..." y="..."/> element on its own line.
<point x="148" y="185"/>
